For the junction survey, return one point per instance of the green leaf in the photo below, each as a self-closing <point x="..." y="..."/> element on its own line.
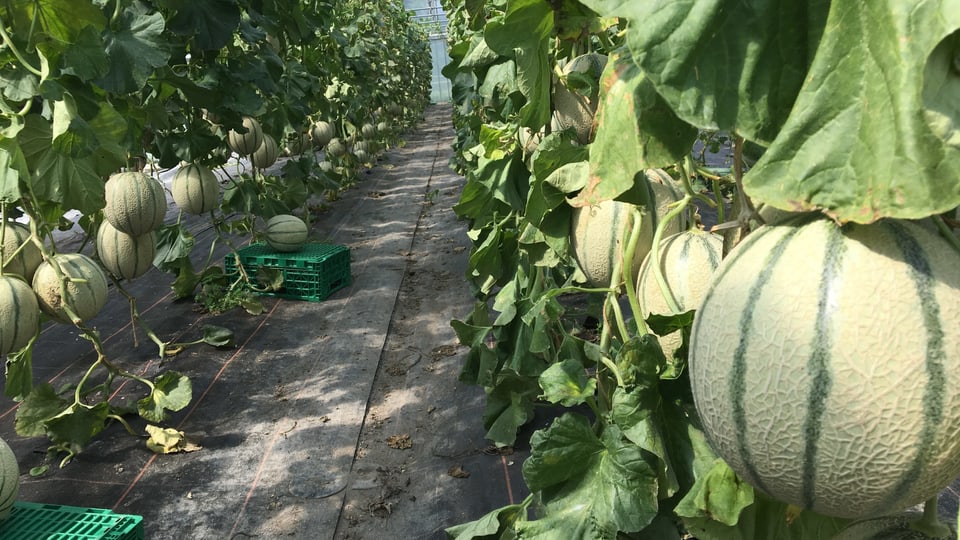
<point x="509" y="406"/>
<point x="524" y="34"/>
<point x="636" y="130"/>
<point x="724" y="66"/>
<point x="567" y="383"/>
<point x="62" y="20"/>
<point x="172" y="391"/>
<point x="40" y="404"/>
<point x="874" y="131"/>
<point x="71" y="182"/>
<point x="719" y="495"/>
<point x="590" y="487"/>
<point x="78" y="425"/>
<point x="13" y="167"/>
<point x="19" y="374"/>
<point x="217" y="336"/>
<point x="174" y="243"/>
<point x="135" y="46"/>
<point x="72" y="135"/>
<point x="639" y="415"/>
<point x="210" y="23"/>
<point x="86" y="58"/>
<point x="492" y="526"/>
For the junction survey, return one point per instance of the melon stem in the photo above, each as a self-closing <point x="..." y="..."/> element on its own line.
<point x="634" y="226"/>
<point x="929" y="523"/>
<point x="945" y="232"/>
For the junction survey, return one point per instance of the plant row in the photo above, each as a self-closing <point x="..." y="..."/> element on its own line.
<point x="696" y="230"/>
<point x="255" y="109"/>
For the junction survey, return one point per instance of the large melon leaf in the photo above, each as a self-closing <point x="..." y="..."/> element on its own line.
<point x="724" y="65"/>
<point x="524" y="34"/>
<point x="875" y="129"/>
<point x="636" y="130"/>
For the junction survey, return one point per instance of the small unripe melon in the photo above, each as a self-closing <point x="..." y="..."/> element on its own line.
<point x="687" y="261"/>
<point x="195" y="189"/>
<point x="267" y="154"/>
<point x="248" y="142"/>
<point x="123" y="255"/>
<point x="9" y="479"/>
<point x="136" y="203"/>
<point x="86" y="298"/>
<point x="322" y="133"/>
<point x="573" y="108"/>
<point x="19" y="315"/>
<point x="26" y="261"/>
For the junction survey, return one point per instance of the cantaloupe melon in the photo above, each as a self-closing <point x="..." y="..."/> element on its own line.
<point x="19" y="316"/>
<point x="572" y="107"/>
<point x="825" y="364"/>
<point x="9" y="479"/>
<point x="125" y="256"/>
<point x="322" y="133"/>
<point x="687" y="261"/>
<point x="86" y="296"/>
<point x="267" y="154"/>
<point x="597" y="232"/>
<point x="336" y="147"/>
<point x="27" y="259"/>
<point x="195" y="189"/>
<point x="286" y="233"/>
<point x="135" y="203"/>
<point x="246" y="143"/>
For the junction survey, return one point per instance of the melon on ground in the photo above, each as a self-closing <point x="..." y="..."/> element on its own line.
<point x="19" y="317"/>
<point x="195" y="189"/>
<point x="86" y="298"/>
<point x="286" y="233"/>
<point x="597" y="233"/>
<point x="687" y="261"/>
<point x="9" y="479"/>
<point x="825" y="364"/>
<point x="135" y="203"/>
<point x="123" y="255"/>
<point x="27" y="259"/>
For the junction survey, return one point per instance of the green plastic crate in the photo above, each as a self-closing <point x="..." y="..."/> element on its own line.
<point x="33" y="521"/>
<point x="313" y="273"/>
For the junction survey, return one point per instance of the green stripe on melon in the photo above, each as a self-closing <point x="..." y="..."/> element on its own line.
<point x="322" y="133"/>
<point x="195" y="189"/>
<point x="687" y="261"/>
<point x="27" y="259"/>
<point x="136" y="203"/>
<point x="123" y="255"/>
<point x="9" y="479"/>
<point x="286" y="233"/>
<point x="825" y="364"/>
<point x="246" y="143"/>
<point x="19" y="314"/>
<point x="267" y="154"/>
<point x="85" y="298"/>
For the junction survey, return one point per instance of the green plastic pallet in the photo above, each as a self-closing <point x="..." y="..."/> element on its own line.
<point x="33" y="521"/>
<point x="313" y="273"/>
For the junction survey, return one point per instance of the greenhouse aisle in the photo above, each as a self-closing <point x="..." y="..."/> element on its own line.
<point x="334" y="419"/>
